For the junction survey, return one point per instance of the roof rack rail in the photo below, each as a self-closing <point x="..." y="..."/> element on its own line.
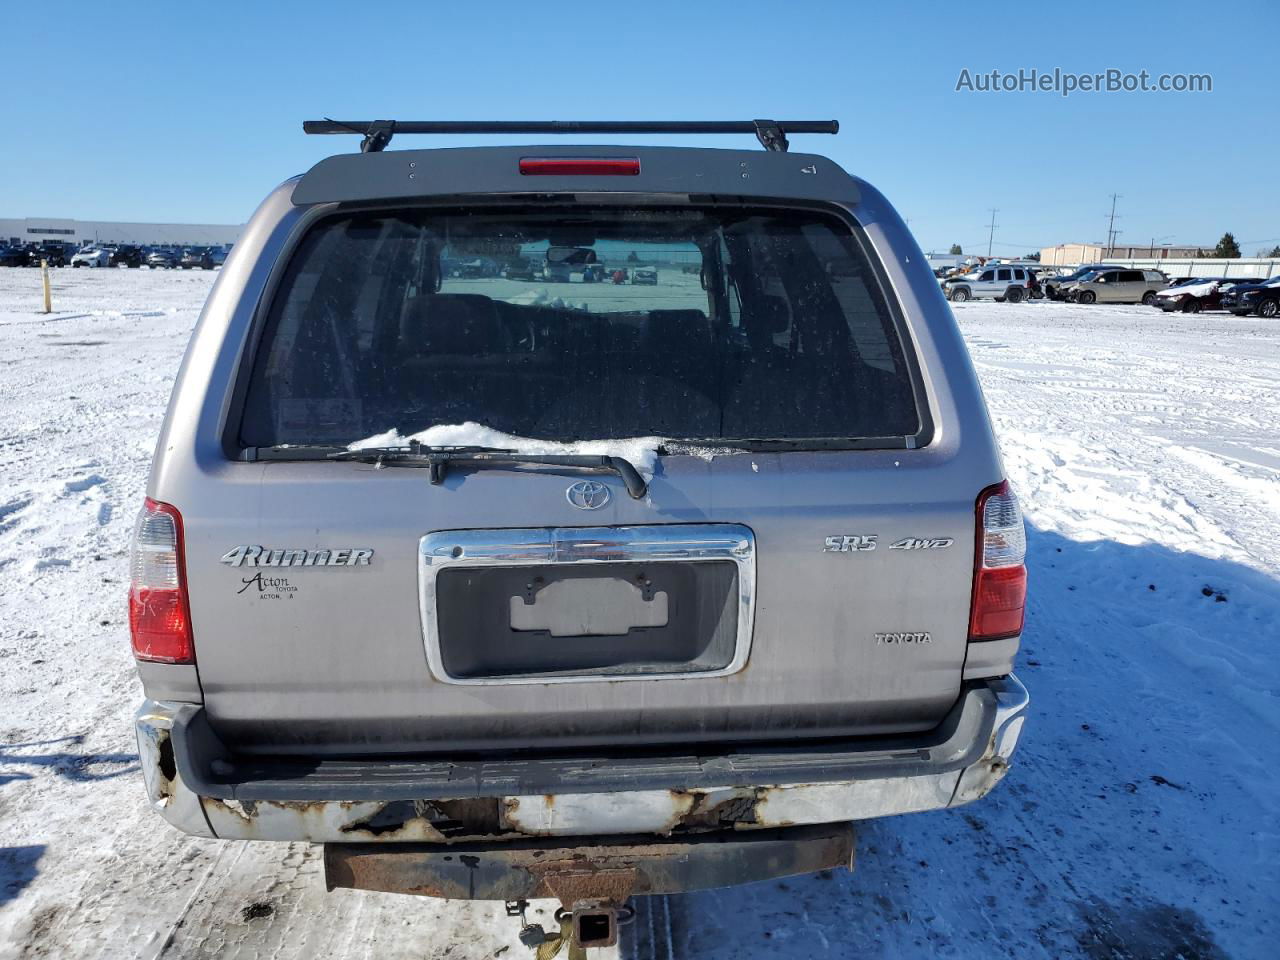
<point x="376" y="134"/>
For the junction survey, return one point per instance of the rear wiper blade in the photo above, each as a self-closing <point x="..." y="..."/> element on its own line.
<point x="437" y="459"/>
<point x="714" y="443"/>
<point x="782" y="444"/>
<point x="413" y="453"/>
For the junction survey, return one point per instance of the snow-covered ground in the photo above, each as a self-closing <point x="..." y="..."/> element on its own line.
<point x="1140" y="818"/>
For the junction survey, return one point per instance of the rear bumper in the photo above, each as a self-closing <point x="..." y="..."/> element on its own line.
<point x="610" y="869"/>
<point x="199" y="787"/>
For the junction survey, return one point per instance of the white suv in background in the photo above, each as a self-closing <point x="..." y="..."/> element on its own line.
<point x="1001" y="282"/>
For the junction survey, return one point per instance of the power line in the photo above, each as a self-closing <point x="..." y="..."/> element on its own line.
<point x="1009" y="243"/>
<point x="1111" y="223"/>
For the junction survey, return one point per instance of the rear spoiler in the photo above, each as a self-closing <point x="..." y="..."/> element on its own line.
<point x="676" y="172"/>
<point x="376" y="134"/>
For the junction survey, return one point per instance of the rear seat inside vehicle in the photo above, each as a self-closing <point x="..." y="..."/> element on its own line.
<point x="450" y="354"/>
<point x="656" y="385"/>
<point x="552" y="372"/>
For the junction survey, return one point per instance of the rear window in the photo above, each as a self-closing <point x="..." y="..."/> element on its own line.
<point x="585" y="323"/>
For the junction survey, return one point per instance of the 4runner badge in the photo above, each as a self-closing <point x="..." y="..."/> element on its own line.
<point x="249" y="555"/>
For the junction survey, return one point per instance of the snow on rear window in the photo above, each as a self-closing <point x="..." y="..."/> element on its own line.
<point x="640" y="452"/>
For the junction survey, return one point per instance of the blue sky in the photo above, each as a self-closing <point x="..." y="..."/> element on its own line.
<point x="192" y="112"/>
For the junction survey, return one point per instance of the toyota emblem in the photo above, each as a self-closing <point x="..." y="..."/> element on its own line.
<point x="588" y="494"/>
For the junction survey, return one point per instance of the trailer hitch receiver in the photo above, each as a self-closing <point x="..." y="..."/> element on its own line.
<point x="595" y="923"/>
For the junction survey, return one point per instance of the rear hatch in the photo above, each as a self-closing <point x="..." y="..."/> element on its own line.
<point x="796" y="565"/>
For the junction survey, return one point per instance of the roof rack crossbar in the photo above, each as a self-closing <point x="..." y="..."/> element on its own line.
<point x="376" y="134"/>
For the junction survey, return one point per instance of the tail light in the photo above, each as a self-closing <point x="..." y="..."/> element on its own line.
<point x="159" y="611"/>
<point x="580" y="166"/>
<point x="999" y="572"/>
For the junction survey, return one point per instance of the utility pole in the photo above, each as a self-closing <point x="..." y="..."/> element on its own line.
<point x="1111" y="225"/>
<point x="992" y="232"/>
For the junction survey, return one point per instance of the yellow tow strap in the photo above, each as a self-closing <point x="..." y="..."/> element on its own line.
<point x="552" y="946"/>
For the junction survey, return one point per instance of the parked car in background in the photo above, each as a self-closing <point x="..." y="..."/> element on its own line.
<point x="1034" y="288"/>
<point x="1117" y="286"/>
<point x="1200" y="293"/>
<point x="127" y="255"/>
<point x="556" y="272"/>
<point x="1053" y="283"/>
<point x="53" y="252"/>
<point x="1260" y="298"/>
<point x="519" y="269"/>
<point x="196" y="259"/>
<point x="1191" y="297"/>
<point x="474" y="269"/>
<point x="14" y="256"/>
<point x="1003" y="283"/>
<point x="92" y="257"/>
<point x="561" y="262"/>
<point x="162" y="260"/>
<point x="646" y="276"/>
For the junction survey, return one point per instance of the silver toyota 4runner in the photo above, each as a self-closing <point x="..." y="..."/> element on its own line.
<point x="505" y="588"/>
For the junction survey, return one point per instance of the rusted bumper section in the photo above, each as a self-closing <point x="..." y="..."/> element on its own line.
<point x="589" y="868"/>
<point x="208" y="793"/>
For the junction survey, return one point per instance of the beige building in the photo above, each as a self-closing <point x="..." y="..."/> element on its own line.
<point x="1069" y="254"/>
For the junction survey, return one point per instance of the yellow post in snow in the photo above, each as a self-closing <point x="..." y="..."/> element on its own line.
<point x="48" y="296"/>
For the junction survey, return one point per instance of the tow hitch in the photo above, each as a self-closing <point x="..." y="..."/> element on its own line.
<point x="592" y="877"/>
<point x="591" y="923"/>
<point x="595" y="923"/>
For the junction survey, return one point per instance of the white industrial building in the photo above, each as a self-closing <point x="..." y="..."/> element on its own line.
<point x="23" y="230"/>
